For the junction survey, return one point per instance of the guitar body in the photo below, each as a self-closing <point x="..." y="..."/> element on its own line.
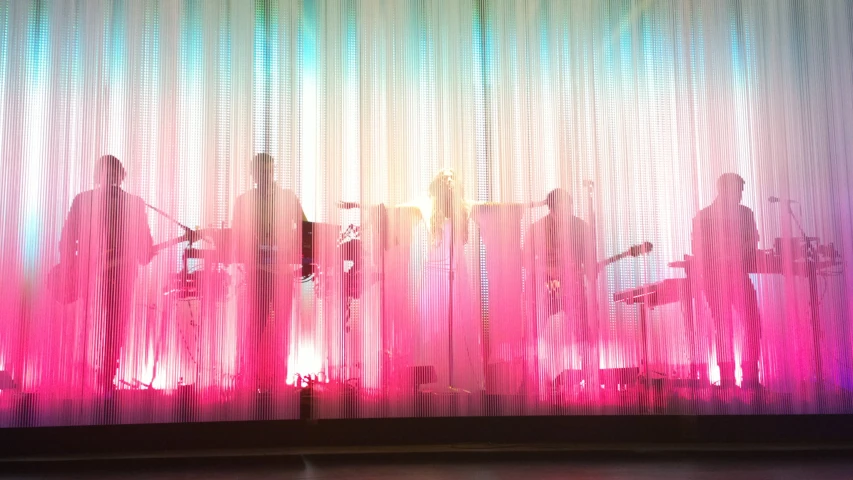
<point x="561" y="290"/>
<point x="63" y="280"/>
<point x="62" y="283"/>
<point x="554" y="288"/>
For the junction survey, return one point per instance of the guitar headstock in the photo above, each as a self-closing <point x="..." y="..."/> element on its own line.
<point x="190" y="236"/>
<point x="640" y="249"/>
<point x="193" y="236"/>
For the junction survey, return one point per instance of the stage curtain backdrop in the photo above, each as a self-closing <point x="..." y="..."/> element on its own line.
<point x="365" y="101"/>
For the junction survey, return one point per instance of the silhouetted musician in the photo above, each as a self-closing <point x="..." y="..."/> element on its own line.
<point x="104" y="240"/>
<point x="725" y="242"/>
<point x="557" y="254"/>
<point x="267" y="241"/>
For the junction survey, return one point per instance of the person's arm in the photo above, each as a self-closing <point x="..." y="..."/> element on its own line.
<point x="696" y="239"/>
<point x="413" y="209"/>
<point x="484" y="208"/>
<point x="750" y="239"/>
<point x="528" y="249"/>
<point x="70" y="233"/>
<point x="698" y="244"/>
<point x="590" y="254"/>
<point x="295" y="252"/>
<point x="299" y="210"/>
<point x="238" y="230"/>
<point x="146" y="246"/>
<point x="753" y="229"/>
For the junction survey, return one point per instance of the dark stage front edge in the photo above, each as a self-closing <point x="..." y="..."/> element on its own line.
<point x="410" y="434"/>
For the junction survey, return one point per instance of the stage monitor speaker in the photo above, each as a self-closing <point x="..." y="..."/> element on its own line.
<point x="185" y="399"/>
<point x="419" y="375"/>
<point x="568" y="378"/>
<point x="613" y="377"/>
<point x="6" y="381"/>
<point x="609" y="377"/>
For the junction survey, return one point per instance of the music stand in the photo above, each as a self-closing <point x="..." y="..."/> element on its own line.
<point x="690" y="322"/>
<point x="642" y="297"/>
<point x="648" y="297"/>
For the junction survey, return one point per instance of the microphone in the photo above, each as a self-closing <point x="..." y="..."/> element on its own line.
<point x="777" y="200"/>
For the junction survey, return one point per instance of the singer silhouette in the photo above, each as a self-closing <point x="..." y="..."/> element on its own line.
<point x="725" y="242"/>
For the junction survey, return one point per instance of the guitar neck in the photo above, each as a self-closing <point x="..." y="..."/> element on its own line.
<point x="155" y="249"/>
<point x="614" y="258"/>
<point x="634" y="251"/>
<point x="168" y="243"/>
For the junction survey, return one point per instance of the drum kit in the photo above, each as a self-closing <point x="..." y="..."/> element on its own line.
<point x="204" y="281"/>
<point x="213" y="281"/>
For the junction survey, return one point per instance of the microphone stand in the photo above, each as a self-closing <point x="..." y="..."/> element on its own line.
<point x="814" y="303"/>
<point x="450" y="279"/>
<point x="187" y="230"/>
<point x="385" y="361"/>
<point x="592" y="275"/>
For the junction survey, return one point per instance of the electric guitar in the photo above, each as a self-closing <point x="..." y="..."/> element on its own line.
<point x="66" y="287"/>
<point x="554" y="281"/>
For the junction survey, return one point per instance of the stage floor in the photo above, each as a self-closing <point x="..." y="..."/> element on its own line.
<point x="640" y="464"/>
<point x="154" y="406"/>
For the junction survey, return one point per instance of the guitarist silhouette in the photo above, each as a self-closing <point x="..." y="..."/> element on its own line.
<point x="560" y="262"/>
<point x="557" y="257"/>
<point x="104" y="240"/>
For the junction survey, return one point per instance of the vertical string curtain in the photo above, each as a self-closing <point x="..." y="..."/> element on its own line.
<point x="633" y="108"/>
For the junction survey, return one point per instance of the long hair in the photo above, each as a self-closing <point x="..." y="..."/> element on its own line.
<point x="448" y="202"/>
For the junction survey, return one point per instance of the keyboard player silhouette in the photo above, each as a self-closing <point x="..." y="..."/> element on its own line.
<point x="267" y="232"/>
<point x="725" y="243"/>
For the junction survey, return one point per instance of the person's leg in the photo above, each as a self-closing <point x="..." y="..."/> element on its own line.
<point x="747" y="306"/>
<point x="110" y="353"/>
<point x="257" y="306"/>
<point x="586" y="344"/>
<point x="278" y="348"/>
<point x="575" y="303"/>
<point x="720" y="304"/>
<point x="116" y="297"/>
<point x="530" y="344"/>
<point x="696" y="345"/>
